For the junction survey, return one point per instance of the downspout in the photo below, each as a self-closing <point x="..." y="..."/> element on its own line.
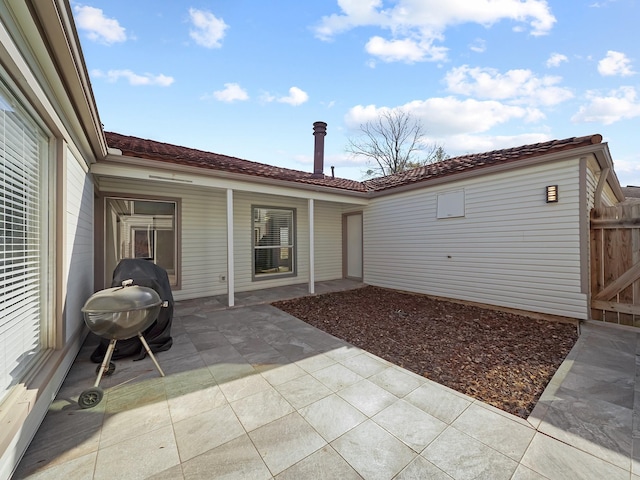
<point x="584" y="234"/>
<point x="602" y="181"/>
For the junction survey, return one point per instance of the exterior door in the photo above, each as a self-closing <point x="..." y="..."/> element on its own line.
<point x="352" y="245"/>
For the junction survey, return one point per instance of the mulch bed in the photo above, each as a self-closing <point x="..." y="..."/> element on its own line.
<point x="501" y="358"/>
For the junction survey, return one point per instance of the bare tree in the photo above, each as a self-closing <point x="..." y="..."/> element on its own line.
<point x="394" y="143"/>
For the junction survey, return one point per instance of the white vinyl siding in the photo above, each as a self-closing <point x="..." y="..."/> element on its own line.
<point x="243" y="233"/>
<point x="202" y="227"/>
<point x="24" y="225"/>
<point x="328" y="241"/>
<point x="203" y="240"/>
<point x="511" y="249"/>
<point x="592" y="184"/>
<point x="79" y="243"/>
<point x="204" y="243"/>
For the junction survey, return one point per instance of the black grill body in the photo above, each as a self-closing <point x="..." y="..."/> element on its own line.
<point x="146" y="274"/>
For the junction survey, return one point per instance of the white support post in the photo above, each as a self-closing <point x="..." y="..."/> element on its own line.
<point x="230" y="265"/>
<point x="312" y="273"/>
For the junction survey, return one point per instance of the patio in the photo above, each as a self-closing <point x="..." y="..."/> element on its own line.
<point x="252" y="392"/>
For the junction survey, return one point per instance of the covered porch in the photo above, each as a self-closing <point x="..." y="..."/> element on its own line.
<point x="211" y="230"/>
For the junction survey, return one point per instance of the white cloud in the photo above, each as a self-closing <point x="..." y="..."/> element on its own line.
<point x="266" y="97"/>
<point x="463" y="144"/>
<point x="617" y="105"/>
<point x="232" y="92"/>
<point x="615" y="63"/>
<point x="296" y="97"/>
<point x="415" y="25"/>
<point x="209" y="30"/>
<point x="356" y="13"/>
<point x="519" y="86"/>
<point x="628" y="169"/>
<point x="452" y="115"/>
<point x="556" y="59"/>
<point x="459" y="126"/>
<point x="478" y="45"/>
<point x="445" y="116"/>
<point x="603" y="4"/>
<point x="134" y="78"/>
<point x="407" y="50"/>
<point x="98" y="27"/>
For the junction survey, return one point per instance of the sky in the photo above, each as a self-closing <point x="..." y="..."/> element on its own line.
<point x="248" y="78"/>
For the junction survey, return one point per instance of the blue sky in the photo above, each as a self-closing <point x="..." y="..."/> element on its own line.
<point x="248" y="78"/>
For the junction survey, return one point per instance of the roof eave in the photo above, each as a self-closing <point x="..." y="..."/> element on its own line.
<point x="599" y="150"/>
<point x="55" y="20"/>
<point x="509" y="165"/>
<point x="115" y="157"/>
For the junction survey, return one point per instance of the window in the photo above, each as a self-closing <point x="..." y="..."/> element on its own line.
<point x="141" y="229"/>
<point x="273" y="241"/>
<point x="24" y="242"/>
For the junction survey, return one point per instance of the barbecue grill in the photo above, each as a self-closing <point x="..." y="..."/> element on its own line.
<point x="119" y="313"/>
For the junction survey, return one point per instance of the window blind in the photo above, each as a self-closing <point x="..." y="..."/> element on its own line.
<point x="22" y="241"/>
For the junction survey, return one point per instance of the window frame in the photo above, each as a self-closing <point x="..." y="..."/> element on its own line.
<point x="292" y="245"/>
<point x="43" y="324"/>
<point x="105" y="196"/>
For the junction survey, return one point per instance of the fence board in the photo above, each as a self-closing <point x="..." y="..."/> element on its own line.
<point x="623" y="249"/>
<point x="615" y="264"/>
<point x="596" y="267"/>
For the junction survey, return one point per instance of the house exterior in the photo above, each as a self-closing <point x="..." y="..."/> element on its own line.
<point x="476" y="228"/>
<point x="225" y="215"/>
<point x="76" y="199"/>
<point x="506" y="245"/>
<point x="50" y="133"/>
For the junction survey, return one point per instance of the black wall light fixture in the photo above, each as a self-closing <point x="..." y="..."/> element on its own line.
<point x="552" y="193"/>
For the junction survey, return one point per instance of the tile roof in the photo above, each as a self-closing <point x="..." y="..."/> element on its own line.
<point x="164" y="152"/>
<point x="631" y="191"/>
<point x="478" y="160"/>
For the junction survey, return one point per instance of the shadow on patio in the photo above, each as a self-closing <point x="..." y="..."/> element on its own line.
<point x="252" y="392"/>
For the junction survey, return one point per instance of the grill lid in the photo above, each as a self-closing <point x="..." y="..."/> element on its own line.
<point x="122" y="299"/>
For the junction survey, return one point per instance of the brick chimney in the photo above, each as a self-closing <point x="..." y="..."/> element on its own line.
<point x="319" y="132"/>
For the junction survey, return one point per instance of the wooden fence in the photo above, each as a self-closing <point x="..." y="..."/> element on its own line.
<point x="615" y="264"/>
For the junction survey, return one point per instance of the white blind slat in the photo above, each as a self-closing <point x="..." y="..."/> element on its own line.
<point x="22" y="201"/>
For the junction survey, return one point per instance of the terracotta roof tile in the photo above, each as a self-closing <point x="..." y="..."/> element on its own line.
<point x="478" y="160"/>
<point x="164" y="152"/>
<point x="631" y="191"/>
